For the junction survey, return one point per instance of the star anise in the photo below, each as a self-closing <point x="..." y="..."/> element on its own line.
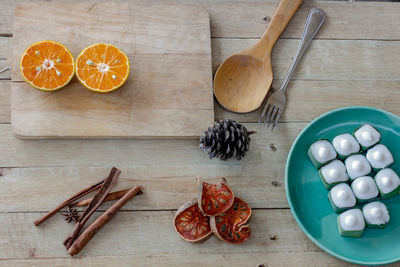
<point x="71" y="215"/>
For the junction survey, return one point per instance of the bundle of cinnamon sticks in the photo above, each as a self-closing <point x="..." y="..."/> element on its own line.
<point x="77" y="239"/>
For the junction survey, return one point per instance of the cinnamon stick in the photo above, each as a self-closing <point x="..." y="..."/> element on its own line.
<point x="90" y="231"/>
<point x="111" y="196"/>
<point x="94" y="204"/>
<point x="68" y="201"/>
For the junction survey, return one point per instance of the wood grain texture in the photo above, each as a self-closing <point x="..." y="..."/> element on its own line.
<point x="284" y="258"/>
<point x="5" y="57"/>
<point x="366" y="54"/>
<point x="165" y="186"/>
<point x="340" y="77"/>
<point x="354" y="59"/>
<point x="325" y="59"/>
<point x="5" y="101"/>
<point x="320" y="96"/>
<point x="168" y="94"/>
<point x="309" y="99"/>
<point x="139" y="233"/>
<point x="245" y="18"/>
<point x="15" y="152"/>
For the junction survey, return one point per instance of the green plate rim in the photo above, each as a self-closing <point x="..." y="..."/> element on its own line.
<point x="290" y="200"/>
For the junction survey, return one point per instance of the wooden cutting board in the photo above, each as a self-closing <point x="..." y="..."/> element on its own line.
<point x="167" y="95"/>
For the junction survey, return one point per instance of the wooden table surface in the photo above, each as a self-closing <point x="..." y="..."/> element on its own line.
<point x="354" y="61"/>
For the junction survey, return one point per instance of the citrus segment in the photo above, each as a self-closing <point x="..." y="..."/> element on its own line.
<point x="102" y="67"/>
<point x="191" y="224"/>
<point x="47" y="65"/>
<point x="232" y="225"/>
<point x="214" y="198"/>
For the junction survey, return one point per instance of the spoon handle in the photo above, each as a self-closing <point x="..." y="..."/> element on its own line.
<point x="283" y="14"/>
<point x="315" y="19"/>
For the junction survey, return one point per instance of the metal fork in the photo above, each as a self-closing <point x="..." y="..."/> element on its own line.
<point x="276" y="103"/>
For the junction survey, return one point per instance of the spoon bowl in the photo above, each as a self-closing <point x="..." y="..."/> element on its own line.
<point x="242" y="81"/>
<point x="238" y="72"/>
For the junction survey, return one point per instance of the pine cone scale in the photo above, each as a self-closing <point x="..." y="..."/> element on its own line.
<point x="226" y="139"/>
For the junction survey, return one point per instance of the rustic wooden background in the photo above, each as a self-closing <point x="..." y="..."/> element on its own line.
<point x="354" y="61"/>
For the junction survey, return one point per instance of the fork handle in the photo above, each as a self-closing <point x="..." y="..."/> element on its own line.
<point x="314" y="21"/>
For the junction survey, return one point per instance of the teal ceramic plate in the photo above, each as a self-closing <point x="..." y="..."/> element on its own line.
<point x="308" y="198"/>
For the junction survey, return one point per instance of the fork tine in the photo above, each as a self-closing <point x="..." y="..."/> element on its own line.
<point x="270" y="107"/>
<point x="267" y="115"/>
<point x="272" y="115"/>
<point x="278" y="116"/>
<point x="264" y="111"/>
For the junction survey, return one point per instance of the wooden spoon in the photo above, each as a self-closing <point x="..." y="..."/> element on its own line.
<point x="243" y="80"/>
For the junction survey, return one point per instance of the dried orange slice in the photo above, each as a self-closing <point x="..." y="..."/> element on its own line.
<point x="102" y="67"/>
<point x="232" y="225"/>
<point x="191" y="224"/>
<point x="47" y="65"/>
<point x="214" y="198"/>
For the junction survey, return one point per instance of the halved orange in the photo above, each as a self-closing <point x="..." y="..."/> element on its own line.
<point x="102" y="67"/>
<point x="47" y="65"/>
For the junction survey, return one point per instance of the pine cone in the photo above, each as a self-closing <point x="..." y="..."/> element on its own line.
<point x="226" y="139"/>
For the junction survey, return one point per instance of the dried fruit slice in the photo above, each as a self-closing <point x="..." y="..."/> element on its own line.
<point x="215" y="198"/>
<point x="232" y="225"/>
<point x="102" y="67"/>
<point x="191" y="224"/>
<point x="47" y="65"/>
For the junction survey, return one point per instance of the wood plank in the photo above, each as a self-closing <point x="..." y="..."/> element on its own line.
<point x="245" y="18"/>
<point x="309" y="99"/>
<point x="344" y="20"/>
<point x="15" y="152"/>
<point x="325" y="59"/>
<point x="5" y="56"/>
<point x="5" y="101"/>
<point x="320" y="96"/>
<point x="353" y="59"/>
<point x="300" y="259"/>
<point x="137" y="30"/>
<point x="144" y="233"/>
<point x="369" y="59"/>
<point x="335" y="93"/>
<point x="75" y="112"/>
<point x="166" y="186"/>
<point x="168" y="93"/>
